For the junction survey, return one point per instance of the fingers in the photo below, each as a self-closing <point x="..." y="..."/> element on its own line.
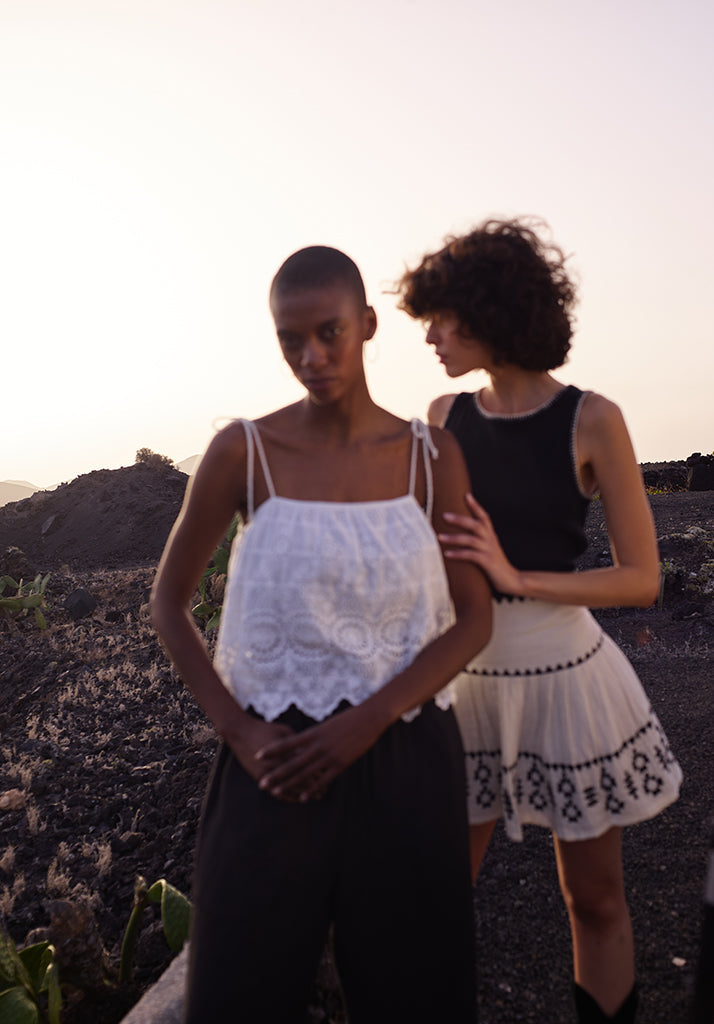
<point x="302" y="766"/>
<point x="478" y="537"/>
<point x="301" y="773"/>
<point x="476" y="507"/>
<point x="479" y="515"/>
<point x="460" y="540"/>
<point x="298" y="790"/>
<point x="316" y="789"/>
<point x="293" y="775"/>
<point x="464" y="547"/>
<point x="279" y="749"/>
<point x="463" y="522"/>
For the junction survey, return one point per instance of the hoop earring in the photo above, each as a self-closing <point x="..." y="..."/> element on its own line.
<point x="371" y="352"/>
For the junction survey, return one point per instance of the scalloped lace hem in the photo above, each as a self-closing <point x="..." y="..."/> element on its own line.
<point x="270" y="710"/>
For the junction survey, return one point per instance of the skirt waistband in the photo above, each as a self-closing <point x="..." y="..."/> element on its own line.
<point x="534" y="638"/>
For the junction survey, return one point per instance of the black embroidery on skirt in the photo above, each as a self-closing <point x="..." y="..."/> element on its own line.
<point x="540" y="671"/>
<point x="541" y="784"/>
<point x="482" y="780"/>
<point x="568" y="792"/>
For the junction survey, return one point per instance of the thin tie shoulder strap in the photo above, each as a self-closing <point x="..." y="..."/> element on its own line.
<point x="253" y="441"/>
<point x="421" y="433"/>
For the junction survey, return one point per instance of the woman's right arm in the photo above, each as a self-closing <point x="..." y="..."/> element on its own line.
<point x="212" y="496"/>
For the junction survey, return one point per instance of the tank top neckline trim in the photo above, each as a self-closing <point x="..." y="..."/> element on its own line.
<point x="518" y="415"/>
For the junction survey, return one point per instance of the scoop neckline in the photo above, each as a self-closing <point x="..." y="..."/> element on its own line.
<point x="517" y="415"/>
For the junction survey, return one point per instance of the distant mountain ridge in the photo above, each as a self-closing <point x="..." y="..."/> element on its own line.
<point x="188" y="465"/>
<point x="15" y="490"/>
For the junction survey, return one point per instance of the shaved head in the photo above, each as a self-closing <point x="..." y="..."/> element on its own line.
<point x="318" y="266"/>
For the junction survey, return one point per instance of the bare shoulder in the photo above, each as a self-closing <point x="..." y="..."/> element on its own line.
<point x="228" y="445"/>
<point x="213" y="494"/>
<point x="601" y="426"/>
<point x="220" y="475"/>
<point x="604" y="446"/>
<point x="597" y="410"/>
<point x="439" y="409"/>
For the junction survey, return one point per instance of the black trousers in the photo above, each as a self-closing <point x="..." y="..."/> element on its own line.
<point x="383" y="857"/>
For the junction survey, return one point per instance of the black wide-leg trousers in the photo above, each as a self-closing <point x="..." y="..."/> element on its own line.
<point x="383" y="856"/>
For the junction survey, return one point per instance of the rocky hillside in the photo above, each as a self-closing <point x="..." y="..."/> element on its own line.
<point x="693" y="474"/>
<point x="108" y="518"/>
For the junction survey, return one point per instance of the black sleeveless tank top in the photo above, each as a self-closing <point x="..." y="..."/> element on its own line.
<point x="522" y="471"/>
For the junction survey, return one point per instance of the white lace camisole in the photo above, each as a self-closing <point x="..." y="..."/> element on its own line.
<point x="327" y="601"/>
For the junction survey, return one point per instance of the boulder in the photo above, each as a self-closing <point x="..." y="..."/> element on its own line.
<point x="80" y="603"/>
<point x="50" y="524"/>
<point x="700" y="474"/>
<point x="666" y="476"/>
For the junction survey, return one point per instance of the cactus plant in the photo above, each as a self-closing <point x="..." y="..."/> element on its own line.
<point x="205" y="609"/>
<point x="29" y="983"/>
<point x="175" y="917"/>
<point x="27" y="595"/>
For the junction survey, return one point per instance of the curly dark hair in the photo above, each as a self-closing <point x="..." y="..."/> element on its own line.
<point x="506" y="285"/>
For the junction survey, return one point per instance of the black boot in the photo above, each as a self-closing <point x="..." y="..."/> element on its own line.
<point x="590" y="1013"/>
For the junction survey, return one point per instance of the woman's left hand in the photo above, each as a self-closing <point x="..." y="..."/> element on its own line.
<point x="302" y="766"/>
<point x="480" y="544"/>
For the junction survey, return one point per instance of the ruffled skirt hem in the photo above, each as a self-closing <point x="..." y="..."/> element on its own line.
<point x="557" y="728"/>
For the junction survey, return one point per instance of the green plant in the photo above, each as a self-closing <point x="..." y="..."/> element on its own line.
<point x="668" y="571"/>
<point x="206" y="610"/>
<point x="29" y="983"/>
<point x="27" y="595"/>
<point x="175" y="917"/>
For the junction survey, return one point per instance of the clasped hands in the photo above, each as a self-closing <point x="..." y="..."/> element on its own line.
<point x="298" y="767"/>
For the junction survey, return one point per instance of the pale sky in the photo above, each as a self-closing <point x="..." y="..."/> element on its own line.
<point x="160" y="158"/>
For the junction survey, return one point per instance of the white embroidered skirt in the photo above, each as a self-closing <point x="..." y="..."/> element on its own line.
<point x="557" y="728"/>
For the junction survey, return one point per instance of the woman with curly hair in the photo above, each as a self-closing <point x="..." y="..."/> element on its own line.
<point x="556" y="726"/>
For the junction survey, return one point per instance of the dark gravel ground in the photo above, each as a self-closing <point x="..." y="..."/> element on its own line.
<point x="111" y="758"/>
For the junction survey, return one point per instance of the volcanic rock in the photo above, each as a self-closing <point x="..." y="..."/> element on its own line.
<point x="700" y="476"/>
<point x="109" y="518"/>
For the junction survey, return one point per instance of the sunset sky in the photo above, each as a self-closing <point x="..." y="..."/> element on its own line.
<point x="160" y="158"/>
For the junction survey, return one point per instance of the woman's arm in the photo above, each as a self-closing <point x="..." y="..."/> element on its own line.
<point x="212" y="497"/>
<point x="308" y="762"/>
<point x="606" y="458"/>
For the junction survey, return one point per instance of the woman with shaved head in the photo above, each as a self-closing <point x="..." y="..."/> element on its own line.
<point x="338" y="796"/>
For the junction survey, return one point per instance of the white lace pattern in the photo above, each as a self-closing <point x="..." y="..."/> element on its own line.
<point x="327" y="601"/>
